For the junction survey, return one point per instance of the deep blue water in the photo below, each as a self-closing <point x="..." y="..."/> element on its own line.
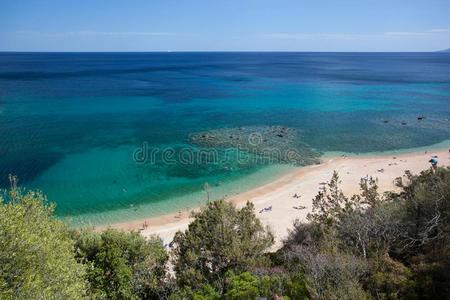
<point x="70" y="122"/>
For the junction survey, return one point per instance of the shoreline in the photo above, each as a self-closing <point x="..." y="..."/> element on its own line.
<point x="304" y="181"/>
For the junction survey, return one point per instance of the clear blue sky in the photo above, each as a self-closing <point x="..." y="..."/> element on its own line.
<point x="224" y="25"/>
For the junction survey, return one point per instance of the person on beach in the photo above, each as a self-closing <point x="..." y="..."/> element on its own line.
<point x="434" y="162"/>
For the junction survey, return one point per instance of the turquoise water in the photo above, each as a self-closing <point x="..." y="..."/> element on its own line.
<point x="444" y="145"/>
<point x="72" y="122"/>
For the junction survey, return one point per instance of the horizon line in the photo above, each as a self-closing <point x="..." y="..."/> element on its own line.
<point x="221" y="51"/>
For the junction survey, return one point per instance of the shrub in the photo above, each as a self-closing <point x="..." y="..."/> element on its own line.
<point x="220" y="238"/>
<point x="122" y="265"/>
<point x="37" y="258"/>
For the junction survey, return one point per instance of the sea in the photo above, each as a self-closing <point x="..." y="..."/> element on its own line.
<point x="107" y="136"/>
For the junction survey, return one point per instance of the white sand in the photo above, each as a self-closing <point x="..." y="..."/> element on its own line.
<point x="305" y="182"/>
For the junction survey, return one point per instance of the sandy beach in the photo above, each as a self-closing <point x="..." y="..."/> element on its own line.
<point x="305" y="182"/>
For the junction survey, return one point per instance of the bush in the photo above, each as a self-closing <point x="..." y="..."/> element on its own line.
<point x="220" y="238"/>
<point x="243" y="286"/>
<point x="37" y="258"/>
<point x="391" y="246"/>
<point x="122" y="265"/>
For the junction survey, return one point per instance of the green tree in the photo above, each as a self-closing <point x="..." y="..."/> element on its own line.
<point x="122" y="265"/>
<point x="244" y="286"/>
<point x="221" y="238"/>
<point x="295" y="286"/>
<point x="424" y="244"/>
<point x="426" y="208"/>
<point x="400" y="240"/>
<point x="206" y="292"/>
<point x="277" y="285"/>
<point x="346" y="242"/>
<point x="328" y="204"/>
<point x="36" y="252"/>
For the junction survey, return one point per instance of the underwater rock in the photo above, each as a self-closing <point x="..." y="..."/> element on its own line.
<point x="437" y="122"/>
<point x="274" y="143"/>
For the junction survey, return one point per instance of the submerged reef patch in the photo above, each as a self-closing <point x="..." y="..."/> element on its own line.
<point x="278" y="144"/>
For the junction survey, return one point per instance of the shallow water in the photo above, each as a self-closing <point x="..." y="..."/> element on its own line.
<point x="70" y="123"/>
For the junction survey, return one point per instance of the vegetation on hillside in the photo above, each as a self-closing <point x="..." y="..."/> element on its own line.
<point x="37" y="254"/>
<point x="394" y="245"/>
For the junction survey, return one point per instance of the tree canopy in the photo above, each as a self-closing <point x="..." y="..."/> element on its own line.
<point x="122" y="265"/>
<point x="391" y="246"/>
<point x="37" y="257"/>
<point x="220" y="238"/>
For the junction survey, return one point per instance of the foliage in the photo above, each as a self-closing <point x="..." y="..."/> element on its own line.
<point x="390" y="279"/>
<point x="327" y="273"/>
<point x="243" y="286"/>
<point x="122" y="265"/>
<point x="36" y="252"/>
<point x="368" y="246"/>
<point x="425" y="241"/>
<point x="391" y="246"/>
<point x="206" y="292"/>
<point x="249" y="286"/>
<point x="221" y="238"/>
<point x="426" y="209"/>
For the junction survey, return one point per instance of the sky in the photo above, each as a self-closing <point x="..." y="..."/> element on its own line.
<point x="224" y="25"/>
